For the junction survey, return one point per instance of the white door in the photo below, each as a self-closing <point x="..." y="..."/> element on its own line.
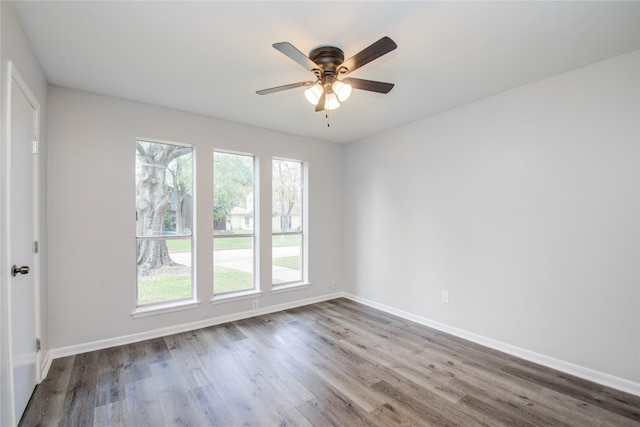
<point x="22" y="234"/>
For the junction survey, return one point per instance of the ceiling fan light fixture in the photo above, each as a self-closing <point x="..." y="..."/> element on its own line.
<point x="331" y="101"/>
<point x="342" y="90"/>
<point x="314" y="93"/>
<point x="327" y="63"/>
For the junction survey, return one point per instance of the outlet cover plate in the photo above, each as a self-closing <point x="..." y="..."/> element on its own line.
<point x="444" y="296"/>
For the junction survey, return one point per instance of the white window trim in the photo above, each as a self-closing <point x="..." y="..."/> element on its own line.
<point x="163" y="308"/>
<point x="303" y="233"/>
<point x="248" y="293"/>
<point x="173" y="305"/>
<point x="235" y="296"/>
<point x="288" y="287"/>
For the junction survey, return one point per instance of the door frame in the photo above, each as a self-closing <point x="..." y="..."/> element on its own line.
<point x="14" y="76"/>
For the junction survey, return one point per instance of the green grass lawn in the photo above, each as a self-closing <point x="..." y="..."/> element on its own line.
<point x="227" y="279"/>
<point x="153" y="289"/>
<point x="286" y="240"/>
<point x="232" y="243"/>
<point x="184" y="245"/>
<point x="292" y="262"/>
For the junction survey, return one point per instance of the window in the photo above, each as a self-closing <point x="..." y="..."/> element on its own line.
<point x="164" y="222"/>
<point x="233" y="223"/>
<point x="287" y="222"/>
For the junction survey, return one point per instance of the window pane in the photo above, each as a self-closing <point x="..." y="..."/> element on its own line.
<point x="164" y="207"/>
<point x="232" y="193"/>
<point x="171" y="281"/>
<point x="287" y="196"/>
<point x="233" y="264"/>
<point x="287" y="258"/>
<point x="287" y="218"/>
<point x="164" y="182"/>
<point x="233" y="214"/>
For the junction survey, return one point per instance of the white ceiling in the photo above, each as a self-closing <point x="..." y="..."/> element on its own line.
<point x="209" y="57"/>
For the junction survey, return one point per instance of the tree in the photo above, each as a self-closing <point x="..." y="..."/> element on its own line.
<point x="180" y="172"/>
<point x="287" y="189"/>
<point x="153" y="200"/>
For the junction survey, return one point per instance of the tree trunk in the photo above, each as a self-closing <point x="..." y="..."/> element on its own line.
<point x="153" y="254"/>
<point x="179" y="212"/>
<point x="179" y="192"/>
<point x="285" y="220"/>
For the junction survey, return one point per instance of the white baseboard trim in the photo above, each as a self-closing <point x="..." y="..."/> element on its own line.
<point x="550" y="362"/>
<point x="156" y="333"/>
<point x="45" y="365"/>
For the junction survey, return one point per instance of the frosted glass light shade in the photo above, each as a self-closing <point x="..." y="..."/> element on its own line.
<point x="342" y="90"/>
<point x="314" y="93"/>
<point x="331" y="101"/>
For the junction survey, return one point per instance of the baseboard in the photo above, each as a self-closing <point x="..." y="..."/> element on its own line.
<point x="156" y="333"/>
<point x="45" y="365"/>
<point x="541" y="359"/>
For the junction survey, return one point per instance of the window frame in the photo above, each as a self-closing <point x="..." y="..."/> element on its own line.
<point x="255" y="289"/>
<point x="165" y="306"/>
<point x="303" y="233"/>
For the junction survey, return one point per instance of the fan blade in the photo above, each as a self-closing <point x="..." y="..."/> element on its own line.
<point x="370" y="85"/>
<point x="320" y="105"/>
<point x="284" y="87"/>
<point x="368" y="54"/>
<point x="293" y="53"/>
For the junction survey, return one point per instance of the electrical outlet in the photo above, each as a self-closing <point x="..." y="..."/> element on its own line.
<point x="444" y="297"/>
<point x="254" y="304"/>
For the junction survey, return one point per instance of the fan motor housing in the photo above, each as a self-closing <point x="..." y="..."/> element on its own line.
<point x="327" y="57"/>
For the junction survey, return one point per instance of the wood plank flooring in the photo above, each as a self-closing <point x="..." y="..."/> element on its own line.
<point x="336" y="363"/>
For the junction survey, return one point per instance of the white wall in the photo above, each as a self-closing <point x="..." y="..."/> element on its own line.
<point x="92" y="272"/>
<point x="524" y="206"/>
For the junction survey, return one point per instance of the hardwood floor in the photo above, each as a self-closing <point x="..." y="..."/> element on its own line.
<point x="336" y="363"/>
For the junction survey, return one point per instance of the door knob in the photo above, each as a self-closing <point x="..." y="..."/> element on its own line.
<point x="15" y="270"/>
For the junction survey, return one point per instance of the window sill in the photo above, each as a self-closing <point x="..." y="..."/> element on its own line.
<point x="290" y="287"/>
<point x="235" y="296"/>
<point x="153" y="310"/>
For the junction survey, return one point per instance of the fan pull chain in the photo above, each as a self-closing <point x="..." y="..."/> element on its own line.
<point x="326" y="116"/>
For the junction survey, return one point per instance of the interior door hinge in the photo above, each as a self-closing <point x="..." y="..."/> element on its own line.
<point x="35" y="247"/>
<point x="34" y="146"/>
<point x="38" y="347"/>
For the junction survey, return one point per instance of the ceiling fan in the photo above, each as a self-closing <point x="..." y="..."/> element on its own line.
<point x="328" y="65"/>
